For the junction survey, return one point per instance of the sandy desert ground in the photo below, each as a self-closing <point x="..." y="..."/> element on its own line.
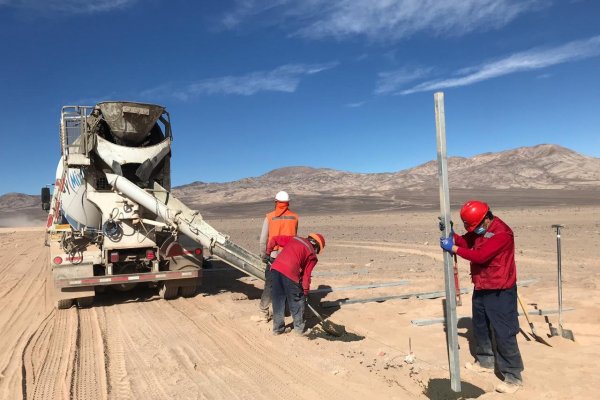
<point x="137" y="346"/>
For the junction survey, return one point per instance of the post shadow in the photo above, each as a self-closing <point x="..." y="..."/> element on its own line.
<point x="462" y="323"/>
<point x="440" y="389"/>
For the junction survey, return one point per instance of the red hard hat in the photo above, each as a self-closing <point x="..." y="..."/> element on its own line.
<point x="472" y="213"/>
<point x="317" y="237"/>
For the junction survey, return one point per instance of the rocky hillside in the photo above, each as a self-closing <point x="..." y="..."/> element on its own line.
<point x="17" y="201"/>
<point x="544" y="174"/>
<point x="540" y="167"/>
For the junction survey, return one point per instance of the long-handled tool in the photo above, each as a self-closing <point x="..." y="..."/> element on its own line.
<point x="537" y="337"/>
<point x="456" y="284"/>
<point x="328" y="326"/>
<point x="566" y="333"/>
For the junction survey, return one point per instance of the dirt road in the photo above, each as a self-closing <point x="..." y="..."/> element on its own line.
<point x="136" y="346"/>
<point x="148" y="348"/>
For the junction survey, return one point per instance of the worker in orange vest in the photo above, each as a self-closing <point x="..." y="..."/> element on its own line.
<point x="279" y="222"/>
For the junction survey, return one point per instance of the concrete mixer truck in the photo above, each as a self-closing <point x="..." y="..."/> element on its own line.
<point x="113" y="222"/>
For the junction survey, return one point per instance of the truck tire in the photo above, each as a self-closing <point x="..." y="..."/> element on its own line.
<point x="64" y="304"/>
<point x="85" y="302"/>
<point x="189" y="291"/>
<point x="168" y="291"/>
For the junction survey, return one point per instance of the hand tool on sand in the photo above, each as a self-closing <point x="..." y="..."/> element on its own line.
<point x="537" y="337"/>
<point x="328" y="326"/>
<point x="560" y="331"/>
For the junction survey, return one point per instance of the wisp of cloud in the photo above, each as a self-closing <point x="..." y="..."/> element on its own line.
<point x="523" y="61"/>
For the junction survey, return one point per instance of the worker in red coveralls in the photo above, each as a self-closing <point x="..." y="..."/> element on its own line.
<point x="290" y="274"/>
<point x="490" y="247"/>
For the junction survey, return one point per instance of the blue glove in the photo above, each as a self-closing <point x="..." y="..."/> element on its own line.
<point x="447" y="243"/>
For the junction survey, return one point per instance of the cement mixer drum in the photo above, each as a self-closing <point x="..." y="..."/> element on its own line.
<point x="130" y="122"/>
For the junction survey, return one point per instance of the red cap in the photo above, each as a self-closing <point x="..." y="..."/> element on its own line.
<point x="472" y="213"/>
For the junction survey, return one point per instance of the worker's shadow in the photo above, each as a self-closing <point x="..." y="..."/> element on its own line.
<point x="465" y="330"/>
<point x="466" y="325"/>
<point x="315" y="297"/>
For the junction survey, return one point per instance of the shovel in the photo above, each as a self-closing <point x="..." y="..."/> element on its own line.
<point x="328" y="326"/>
<point x="566" y="333"/>
<point x="533" y="332"/>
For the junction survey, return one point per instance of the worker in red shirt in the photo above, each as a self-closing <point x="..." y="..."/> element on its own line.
<point x="490" y="247"/>
<point x="291" y="274"/>
<point x="280" y="221"/>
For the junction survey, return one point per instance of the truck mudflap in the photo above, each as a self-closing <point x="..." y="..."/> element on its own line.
<point x="129" y="278"/>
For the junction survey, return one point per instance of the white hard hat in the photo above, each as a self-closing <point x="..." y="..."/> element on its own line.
<point x="282" y="196"/>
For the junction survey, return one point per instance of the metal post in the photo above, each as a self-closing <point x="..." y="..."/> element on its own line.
<point x="451" y="319"/>
<point x="559" y="274"/>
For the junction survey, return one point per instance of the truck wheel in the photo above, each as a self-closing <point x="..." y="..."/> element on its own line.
<point x="168" y="291"/>
<point x="85" y="302"/>
<point x="189" y="291"/>
<point x="64" y="304"/>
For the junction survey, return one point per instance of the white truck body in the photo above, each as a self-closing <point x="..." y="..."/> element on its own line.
<point x="112" y="219"/>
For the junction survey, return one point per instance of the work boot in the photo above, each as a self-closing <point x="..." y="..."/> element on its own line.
<point x="261" y="317"/>
<point x="285" y="330"/>
<point x="507" y="387"/>
<point x="476" y="367"/>
<point x="302" y="333"/>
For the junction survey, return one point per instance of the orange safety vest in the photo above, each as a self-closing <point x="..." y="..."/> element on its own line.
<point x="282" y="221"/>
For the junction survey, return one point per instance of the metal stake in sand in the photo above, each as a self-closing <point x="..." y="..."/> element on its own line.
<point x="451" y="320"/>
<point x="566" y="333"/>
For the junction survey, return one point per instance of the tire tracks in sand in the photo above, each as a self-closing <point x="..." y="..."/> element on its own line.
<point x="23" y="306"/>
<point x="64" y="358"/>
<point x="188" y="349"/>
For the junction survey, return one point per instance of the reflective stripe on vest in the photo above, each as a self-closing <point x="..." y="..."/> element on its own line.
<point x="284" y="224"/>
<point x="308" y="246"/>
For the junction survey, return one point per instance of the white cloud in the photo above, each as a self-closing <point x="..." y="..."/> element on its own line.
<point x="391" y="81"/>
<point x="246" y="9"/>
<point x="356" y="105"/>
<point x="285" y="78"/>
<point x="91" y="101"/>
<point x="380" y="19"/>
<point x="68" y="6"/>
<point x="533" y="59"/>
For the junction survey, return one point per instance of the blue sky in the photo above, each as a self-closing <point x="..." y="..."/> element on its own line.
<point x="256" y="85"/>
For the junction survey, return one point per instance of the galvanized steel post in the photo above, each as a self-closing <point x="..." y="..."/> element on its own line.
<point x="451" y="320"/>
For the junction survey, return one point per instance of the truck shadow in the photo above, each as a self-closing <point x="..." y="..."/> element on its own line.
<point x="219" y="277"/>
<point x="111" y="297"/>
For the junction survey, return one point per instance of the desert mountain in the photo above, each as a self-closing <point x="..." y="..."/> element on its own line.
<point x="540" y="175"/>
<point x="18" y="201"/>
<point x="540" y="167"/>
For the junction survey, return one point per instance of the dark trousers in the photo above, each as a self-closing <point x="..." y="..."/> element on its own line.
<point x="496" y="311"/>
<point x="265" y="298"/>
<point x="284" y="289"/>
